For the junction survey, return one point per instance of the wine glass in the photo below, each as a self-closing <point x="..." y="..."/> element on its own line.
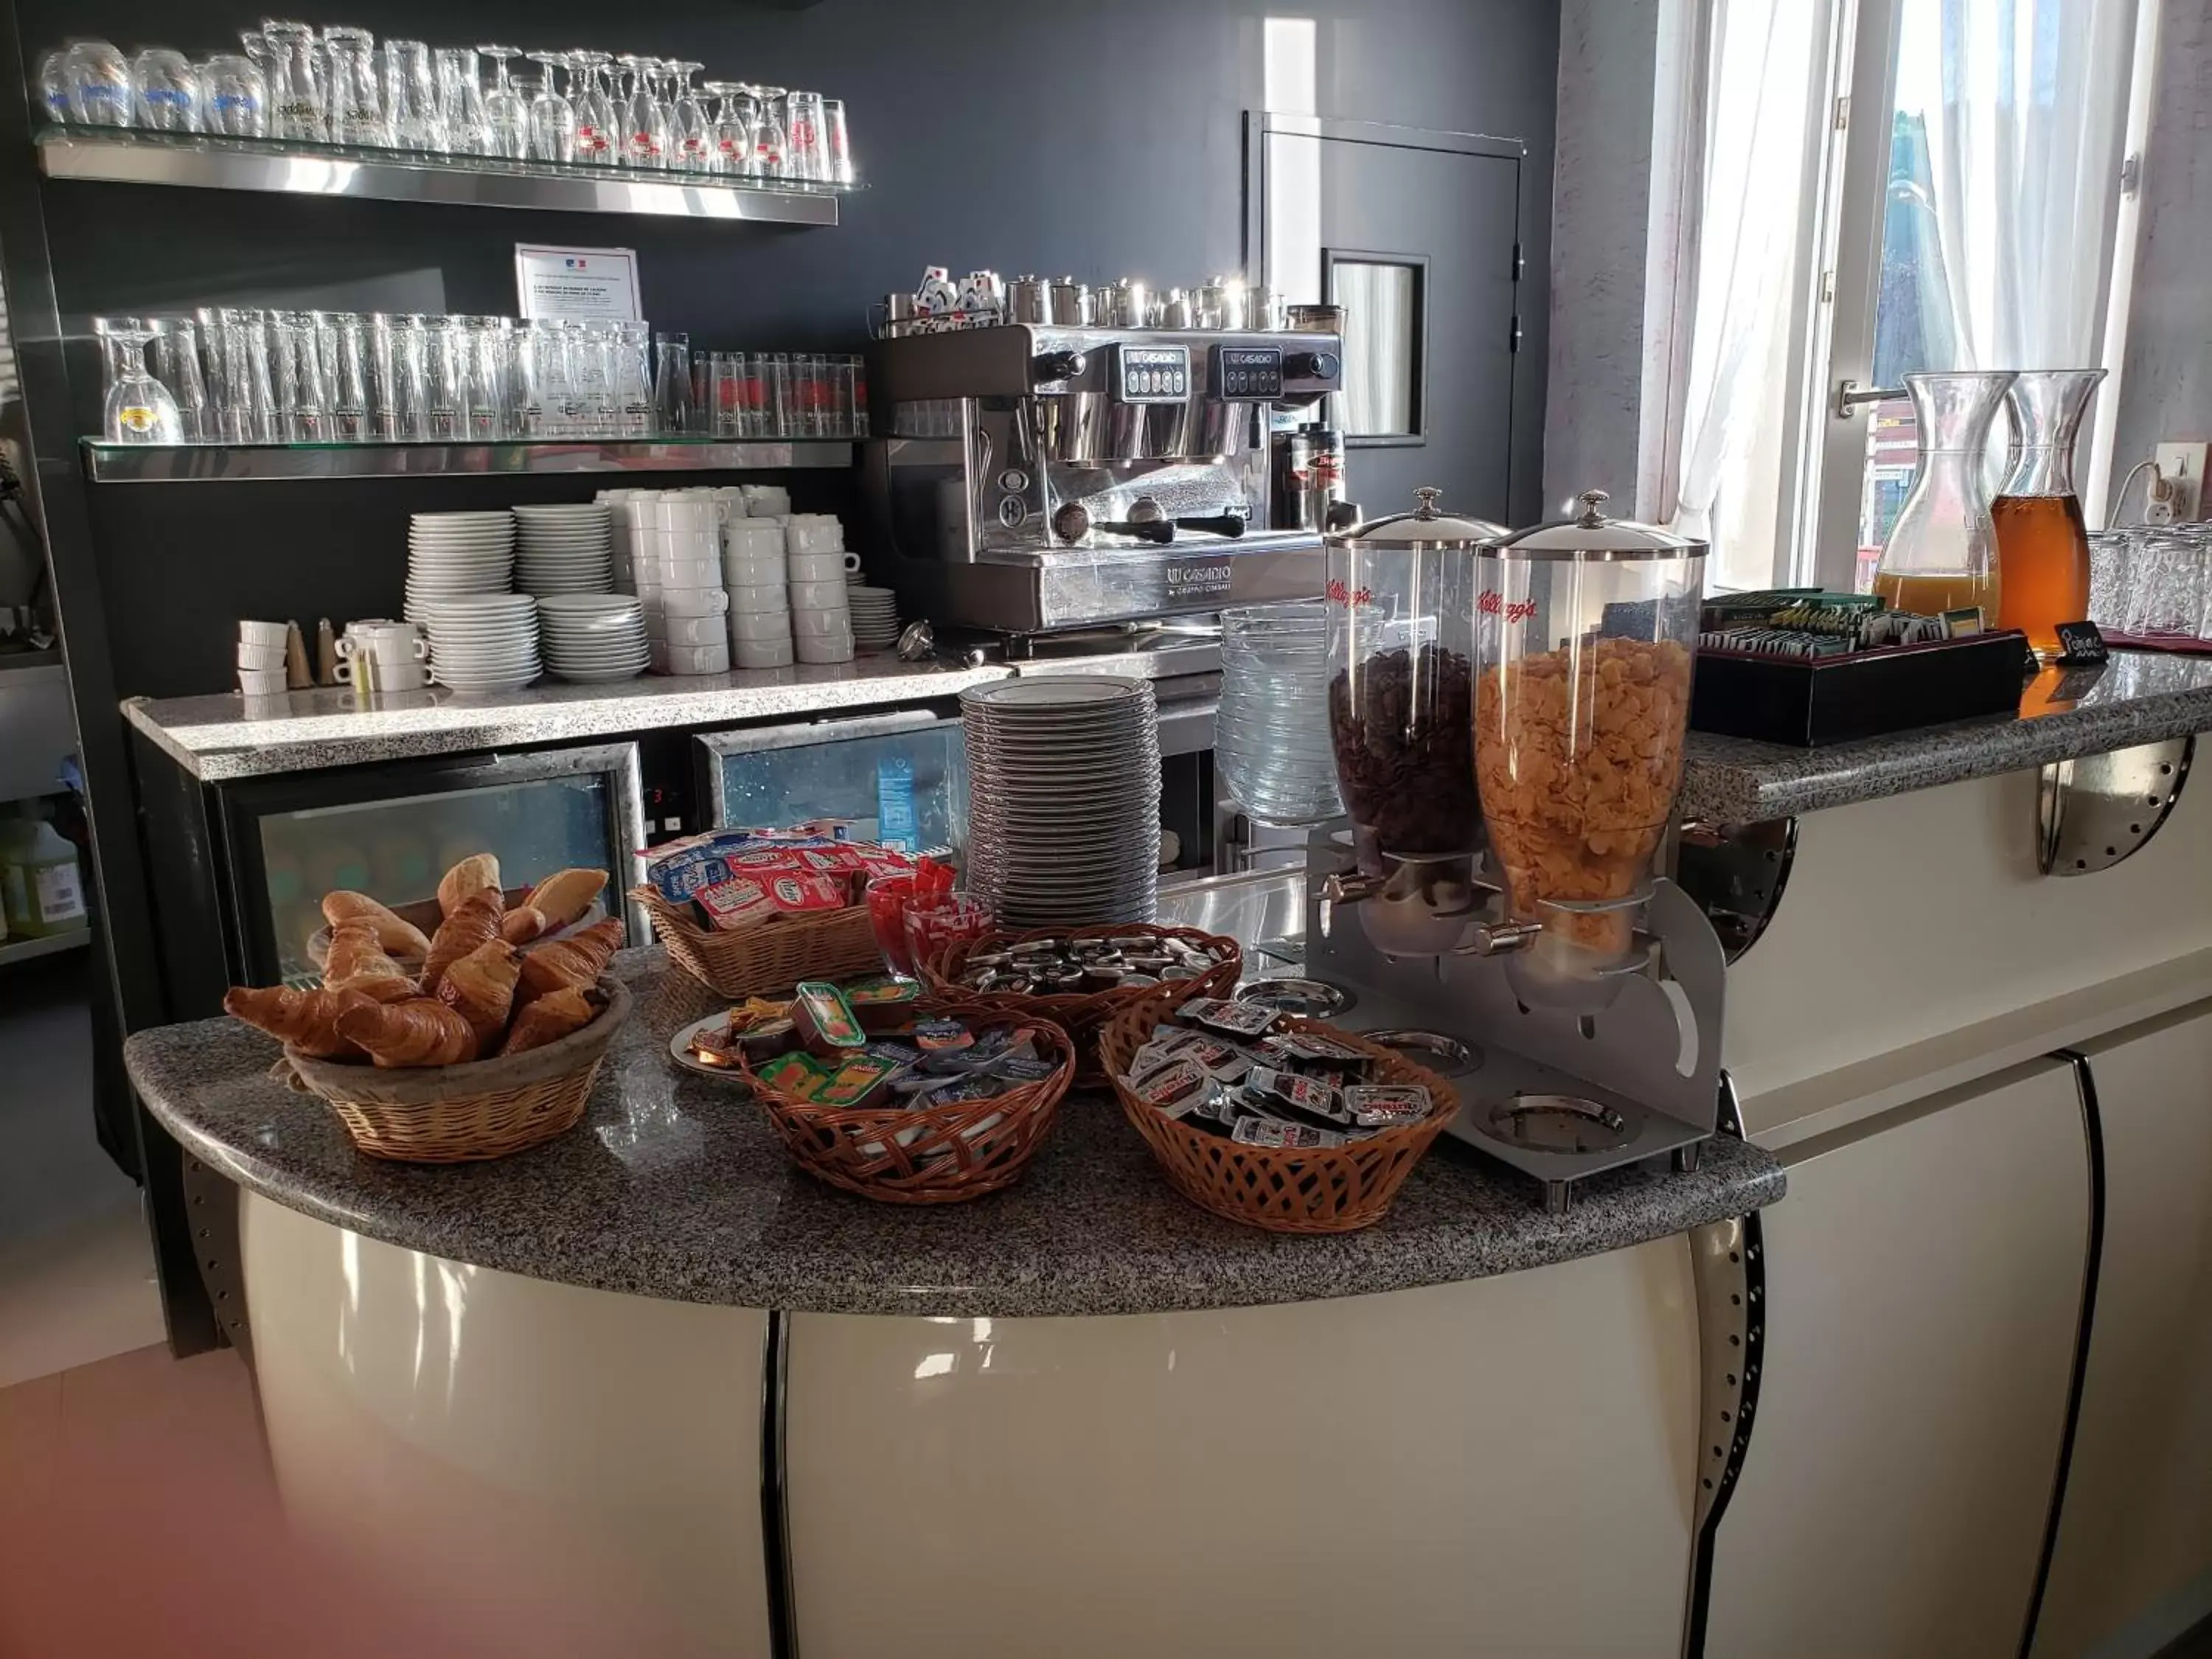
<point x="768" y="145"/>
<point x="506" y="115"/>
<point x="694" y="148"/>
<point x="644" y="118"/>
<point x="597" y="122"/>
<point x="554" y="125"/>
<point x="729" y="133"/>
<point x="139" y="409"/>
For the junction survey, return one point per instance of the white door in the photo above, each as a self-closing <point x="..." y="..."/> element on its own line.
<point x="1923" y="1282"/>
<point x="2136" y="1526"/>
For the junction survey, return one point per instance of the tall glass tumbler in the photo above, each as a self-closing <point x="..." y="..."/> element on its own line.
<point x="446" y="354"/>
<point x="303" y="405"/>
<point x="806" y="154"/>
<point x="836" y="141"/>
<point x="769" y="373"/>
<point x="345" y="353"/>
<point x="297" y="93"/>
<point x="355" y="111"/>
<point x="726" y="379"/>
<point x="671" y="383"/>
<point x="491" y="379"/>
<point x="410" y="97"/>
<point x="1271" y="748"/>
<point x="172" y="347"/>
<point x="460" y="102"/>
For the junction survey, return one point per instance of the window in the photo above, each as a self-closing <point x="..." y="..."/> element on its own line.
<point x="1385" y="299"/>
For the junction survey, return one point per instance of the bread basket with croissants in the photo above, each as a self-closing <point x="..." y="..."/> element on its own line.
<point x="476" y="1039"/>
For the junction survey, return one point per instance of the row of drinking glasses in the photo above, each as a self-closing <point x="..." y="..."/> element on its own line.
<point x="339" y="87"/>
<point x="2152" y="581"/>
<point x="775" y="394"/>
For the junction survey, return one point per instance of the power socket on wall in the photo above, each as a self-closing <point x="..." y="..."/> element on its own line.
<point x="2181" y="465"/>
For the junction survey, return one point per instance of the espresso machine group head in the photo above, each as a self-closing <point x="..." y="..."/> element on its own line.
<point x="1044" y="474"/>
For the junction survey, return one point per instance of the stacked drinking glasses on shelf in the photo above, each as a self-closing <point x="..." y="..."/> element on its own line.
<point x="775" y="394"/>
<point x="298" y="85"/>
<point x="2153" y="583"/>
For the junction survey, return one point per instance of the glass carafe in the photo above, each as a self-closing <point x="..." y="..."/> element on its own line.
<point x="2043" y="543"/>
<point x="1942" y="554"/>
<point x="1401" y="596"/>
<point x="1584" y="634"/>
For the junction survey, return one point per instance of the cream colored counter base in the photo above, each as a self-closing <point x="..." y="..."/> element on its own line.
<point x="1504" y="1467"/>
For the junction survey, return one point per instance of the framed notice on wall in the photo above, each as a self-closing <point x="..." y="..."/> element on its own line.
<point x="577" y="281"/>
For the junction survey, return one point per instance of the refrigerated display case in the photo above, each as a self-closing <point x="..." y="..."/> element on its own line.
<point x="901" y="778"/>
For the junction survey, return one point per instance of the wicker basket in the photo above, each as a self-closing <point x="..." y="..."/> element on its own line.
<point x="1084" y="1015"/>
<point x="1331" y="1190"/>
<point x="458" y="1114"/>
<point x="954" y="1158"/>
<point x="773" y="955"/>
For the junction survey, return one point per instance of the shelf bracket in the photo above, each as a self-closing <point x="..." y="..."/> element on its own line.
<point x="2093" y="812"/>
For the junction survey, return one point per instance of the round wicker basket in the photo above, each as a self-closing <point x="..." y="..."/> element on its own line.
<point x="458" y="1114"/>
<point x="1083" y="1014"/>
<point x="962" y="1150"/>
<point x="1336" y="1189"/>
<point x="773" y="956"/>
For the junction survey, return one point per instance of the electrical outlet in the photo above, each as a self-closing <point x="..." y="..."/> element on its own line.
<point x="2183" y="466"/>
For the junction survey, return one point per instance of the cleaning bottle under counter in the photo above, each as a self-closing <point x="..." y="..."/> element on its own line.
<point x="39" y="886"/>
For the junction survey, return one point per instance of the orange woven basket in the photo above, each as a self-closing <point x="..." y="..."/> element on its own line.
<point x="1337" y="1190"/>
<point x="771" y="956"/>
<point x="459" y="1114"/>
<point x="1082" y="1014"/>
<point x="964" y="1150"/>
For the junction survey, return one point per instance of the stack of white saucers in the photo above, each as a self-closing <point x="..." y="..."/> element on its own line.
<point x="452" y="555"/>
<point x="1064" y="800"/>
<point x="567" y="549"/>
<point x="483" y="643"/>
<point x="593" y="637"/>
<point x="875" y="617"/>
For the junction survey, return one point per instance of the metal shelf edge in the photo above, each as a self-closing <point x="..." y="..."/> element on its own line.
<point x="226" y="463"/>
<point x="24" y="949"/>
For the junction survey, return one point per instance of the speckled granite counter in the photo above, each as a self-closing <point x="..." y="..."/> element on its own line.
<point x="673" y="1187"/>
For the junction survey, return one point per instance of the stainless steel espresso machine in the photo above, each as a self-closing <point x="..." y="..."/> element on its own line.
<point x="1090" y="456"/>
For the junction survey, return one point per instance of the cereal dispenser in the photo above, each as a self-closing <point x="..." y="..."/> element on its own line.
<point x="1582" y="988"/>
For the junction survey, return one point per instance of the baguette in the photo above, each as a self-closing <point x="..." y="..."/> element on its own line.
<point x="565" y="895"/>
<point x="474" y="874"/>
<point x="398" y="936"/>
<point x="522" y="924"/>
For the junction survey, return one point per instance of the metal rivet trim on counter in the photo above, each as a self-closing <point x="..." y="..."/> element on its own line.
<point x="1736" y="873"/>
<point x="2093" y="813"/>
<point x="211" y="1206"/>
<point x="107" y="463"/>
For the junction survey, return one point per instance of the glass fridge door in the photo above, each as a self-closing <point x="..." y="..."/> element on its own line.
<point x="391" y="831"/>
<point x="901" y="778"/>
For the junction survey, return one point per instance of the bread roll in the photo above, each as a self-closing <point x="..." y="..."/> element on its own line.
<point x="474" y="874"/>
<point x="305" y="1020"/>
<point x="522" y="924"/>
<point x="421" y="1031"/>
<point x="398" y="936"/>
<point x="550" y="1019"/>
<point x="563" y="897"/>
<point x="480" y="987"/>
<point x="471" y="924"/>
<point x="356" y="957"/>
<point x="573" y="964"/>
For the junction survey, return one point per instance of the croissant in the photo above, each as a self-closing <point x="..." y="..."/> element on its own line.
<point x="356" y="958"/>
<point x="550" y="1019"/>
<point x="470" y="875"/>
<point x="572" y="964"/>
<point x="398" y="936"/>
<point x="523" y="924"/>
<point x="421" y="1031"/>
<point x="307" y="1020"/>
<point x="480" y="987"/>
<point x="472" y="923"/>
<point x="565" y="895"/>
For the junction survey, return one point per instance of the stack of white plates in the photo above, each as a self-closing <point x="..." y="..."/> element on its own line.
<point x="483" y="643"/>
<point x="565" y="549"/>
<point x="1064" y="800"/>
<point x="452" y="555"/>
<point x="592" y="637"/>
<point x="875" y="617"/>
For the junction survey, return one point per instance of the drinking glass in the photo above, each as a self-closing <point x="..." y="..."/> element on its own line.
<point x="840" y="397"/>
<point x="806" y="155"/>
<point x="769" y="374"/>
<point x="725" y="378"/>
<point x="671" y="383"/>
<point x="445" y="350"/>
<point x="491" y="377"/>
<point x="355" y="106"/>
<point x="138" y="407"/>
<point x="554" y="132"/>
<point x="249" y="400"/>
<point x="345" y="339"/>
<point x="506" y="114"/>
<point x="296" y="102"/>
<point x="783" y="384"/>
<point x="2170" y="586"/>
<point x="859" y="395"/>
<point x="168" y="89"/>
<point x="460" y="102"/>
<point x="303" y="403"/>
<point x="410" y="97"/>
<point x="836" y="142"/>
<point x="631" y="379"/>
<point x="234" y="96"/>
<point x="956" y="919"/>
<point x="174" y="350"/>
<point x="693" y="148"/>
<point x="1272" y="748"/>
<point x="728" y="133"/>
<point x="100" y="93"/>
<point x="599" y="365"/>
<point x="768" y="140"/>
<point x="537" y="357"/>
<point x="888" y="898"/>
<point x="597" y="125"/>
<point x="806" y="394"/>
<point x="54" y="85"/>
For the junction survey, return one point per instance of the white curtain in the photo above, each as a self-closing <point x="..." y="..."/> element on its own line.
<point x="2026" y="151"/>
<point x="1766" y="66"/>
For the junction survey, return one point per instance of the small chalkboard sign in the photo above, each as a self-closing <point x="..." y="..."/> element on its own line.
<point x="2080" y="644"/>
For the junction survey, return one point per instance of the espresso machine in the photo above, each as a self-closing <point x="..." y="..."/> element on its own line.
<point x="1508" y="714"/>
<point x="1070" y="457"/>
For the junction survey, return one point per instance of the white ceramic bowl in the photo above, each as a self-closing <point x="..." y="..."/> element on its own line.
<point x="759" y="625"/>
<point x="262" y="633"/>
<point x="260" y="656"/>
<point x="261" y="682"/>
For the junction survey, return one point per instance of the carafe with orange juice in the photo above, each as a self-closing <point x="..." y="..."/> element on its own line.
<point x="1941" y="553"/>
<point x="2043" y="544"/>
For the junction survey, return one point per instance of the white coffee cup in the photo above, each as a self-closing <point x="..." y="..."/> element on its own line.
<point x="767" y="500"/>
<point x="396" y="677"/>
<point x="819" y="566"/>
<point x="261" y="682"/>
<point x="753" y="569"/>
<point x="760" y="625"/>
<point x="678" y="512"/>
<point x="686" y="572"/>
<point x="260" y="656"/>
<point x="692" y="601"/>
<point x="686" y="630"/>
<point x="819" y="596"/>
<point x="764" y="654"/>
<point x="761" y="601"/>
<point x="263" y="633"/>
<point x="758" y="536"/>
<point x="692" y="658"/>
<point x="815" y="649"/>
<point x="810" y="623"/>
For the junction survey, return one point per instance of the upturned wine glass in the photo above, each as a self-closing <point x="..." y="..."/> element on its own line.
<point x="693" y="148"/>
<point x="554" y="121"/>
<point x="505" y="113"/>
<point x="598" y="125"/>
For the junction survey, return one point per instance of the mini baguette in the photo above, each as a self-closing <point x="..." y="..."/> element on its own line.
<point x="398" y="936"/>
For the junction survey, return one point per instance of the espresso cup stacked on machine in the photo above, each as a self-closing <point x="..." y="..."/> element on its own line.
<point x="820" y="610"/>
<point x="679" y="582"/>
<point x="760" y="594"/>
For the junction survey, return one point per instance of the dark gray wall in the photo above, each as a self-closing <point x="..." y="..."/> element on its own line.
<point x="1086" y="136"/>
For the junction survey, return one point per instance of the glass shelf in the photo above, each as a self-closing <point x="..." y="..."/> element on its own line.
<point x="121" y="155"/>
<point x="107" y="463"/>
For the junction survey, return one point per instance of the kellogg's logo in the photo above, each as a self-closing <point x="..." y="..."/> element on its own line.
<point x="1490" y="604"/>
<point x="1339" y="593"/>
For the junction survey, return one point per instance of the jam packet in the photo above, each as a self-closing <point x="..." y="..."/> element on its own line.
<point x="1246" y="1020"/>
<point x="1386" y="1105"/>
<point x="1256" y="1130"/>
<point x="1176" y="1090"/>
<point x="825" y="1021"/>
<point x="1309" y="1095"/>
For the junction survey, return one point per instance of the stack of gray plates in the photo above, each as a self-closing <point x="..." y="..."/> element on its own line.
<point x="1064" y="800"/>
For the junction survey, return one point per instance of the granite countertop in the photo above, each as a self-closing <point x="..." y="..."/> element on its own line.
<point x="674" y="1187"/>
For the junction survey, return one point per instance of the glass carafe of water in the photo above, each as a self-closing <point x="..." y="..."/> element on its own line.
<point x="1942" y="554"/>
<point x="2043" y="544"/>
